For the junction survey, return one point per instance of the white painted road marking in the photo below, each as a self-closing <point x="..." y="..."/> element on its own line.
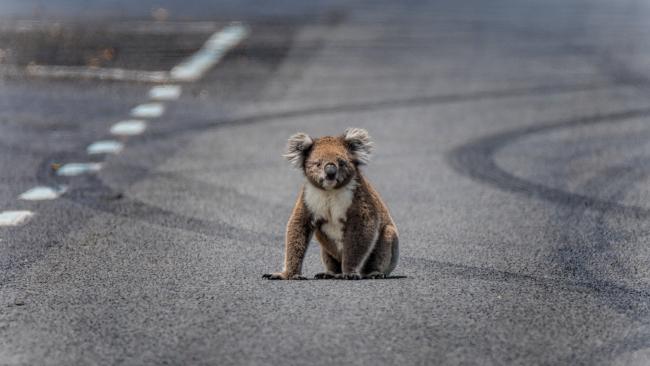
<point x="14" y="218"/>
<point x="82" y="72"/>
<point x="43" y="193"/>
<point x="148" y="110"/>
<point x="72" y="169"/>
<point x="129" y="127"/>
<point x="105" y="147"/>
<point x="212" y="51"/>
<point x="165" y="92"/>
<point x="149" y="27"/>
<point x="189" y="70"/>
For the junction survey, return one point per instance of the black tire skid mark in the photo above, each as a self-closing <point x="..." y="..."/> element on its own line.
<point x="476" y="160"/>
<point x="200" y="125"/>
<point x="90" y="191"/>
<point x="158" y="132"/>
<point x="613" y="182"/>
<point x="95" y="188"/>
<point x="81" y="190"/>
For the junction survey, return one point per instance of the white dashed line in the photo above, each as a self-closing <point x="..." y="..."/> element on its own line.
<point x="43" y="193"/>
<point x="105" y="147"/>
<point x="191" y="69"/>
<point x="14" y="218"/>
<point x="165" y="92"/>
<point x="82" y="72"/>
<point x="129" y="127"/>
<point x="148" y="110"/>
<point x="212" y="51"/>
<point x="72" y="169"/>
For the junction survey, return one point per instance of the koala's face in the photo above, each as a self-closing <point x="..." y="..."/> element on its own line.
<point x="330" y="162"/>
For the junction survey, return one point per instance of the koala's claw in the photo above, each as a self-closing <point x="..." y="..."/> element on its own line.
<point x="324" y="276"/>
<point x="349" y="276"/>
<point x="282" y="276"/>
<point x="375" y="276"/>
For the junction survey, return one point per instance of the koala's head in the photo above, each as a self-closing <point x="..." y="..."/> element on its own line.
<point x="330" y="162"/>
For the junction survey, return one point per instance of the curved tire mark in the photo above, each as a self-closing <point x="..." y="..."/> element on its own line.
<point x="477" y="161"/>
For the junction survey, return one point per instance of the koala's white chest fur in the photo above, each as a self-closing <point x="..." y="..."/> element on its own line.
<point x="331" y="206"/>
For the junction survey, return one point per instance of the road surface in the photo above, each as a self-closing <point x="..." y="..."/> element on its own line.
<point x="511" y="147"/>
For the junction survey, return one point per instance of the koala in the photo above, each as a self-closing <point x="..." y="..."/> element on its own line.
<point x="357" y="236"/>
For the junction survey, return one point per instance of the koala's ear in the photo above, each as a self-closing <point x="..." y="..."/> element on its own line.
<point x="297" y="148"/>
<point x="359" y="143"/>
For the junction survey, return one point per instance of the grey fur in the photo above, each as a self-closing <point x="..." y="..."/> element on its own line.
<point x="297" y="147"/>
<point x="359" y="143"/>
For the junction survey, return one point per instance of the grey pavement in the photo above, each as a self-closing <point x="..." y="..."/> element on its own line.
<point x="511" y="147"/>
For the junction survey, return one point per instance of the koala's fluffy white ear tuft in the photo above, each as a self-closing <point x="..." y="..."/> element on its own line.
<point x="359" y="143"/>
<point x="297" y="148"/>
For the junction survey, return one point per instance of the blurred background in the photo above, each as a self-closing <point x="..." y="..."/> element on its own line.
<point x="143" y="193"/>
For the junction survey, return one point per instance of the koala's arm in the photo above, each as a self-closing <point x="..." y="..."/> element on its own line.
<point x="299" y="233"/>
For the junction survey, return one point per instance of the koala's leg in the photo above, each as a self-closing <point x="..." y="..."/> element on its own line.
<point x="332" y="266"/>
<point x="299" y="233"/>
<point x="383" y="258"/>
<point x="360" y="237"/>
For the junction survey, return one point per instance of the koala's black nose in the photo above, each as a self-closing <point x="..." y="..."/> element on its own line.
<point x="330" y="171"/>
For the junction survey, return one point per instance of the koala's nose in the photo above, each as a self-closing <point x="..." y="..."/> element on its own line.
<point x="330" y="171"/>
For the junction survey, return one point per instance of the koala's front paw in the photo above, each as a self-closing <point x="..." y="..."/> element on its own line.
<point x="349" y="276"/>
<point x="325" y="276"/>
<point x="282" y="276"/>
<point x="274" y="276"/>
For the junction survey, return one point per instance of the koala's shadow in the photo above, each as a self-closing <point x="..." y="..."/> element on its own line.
<point x="399" y="277"/>
<point x="361" y="279"/>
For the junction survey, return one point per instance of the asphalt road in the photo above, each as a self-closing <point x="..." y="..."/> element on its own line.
<point x="511" y="147"/>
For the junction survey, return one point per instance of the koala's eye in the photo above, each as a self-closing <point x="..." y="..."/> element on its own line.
<point x="342" y="162"/>
<point x="317" y="163"/>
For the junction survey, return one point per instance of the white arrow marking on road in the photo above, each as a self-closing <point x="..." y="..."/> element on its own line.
<point x="14" y="218"/>
<point x="212" y="51"/>
<point x="43" y="193"/>
<point x="129" y="127"/>
<point x="72" y="169"/>
<point x="105" y="147"/>
<point x="165" y="92"/>
<point x="148" y="110"/>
